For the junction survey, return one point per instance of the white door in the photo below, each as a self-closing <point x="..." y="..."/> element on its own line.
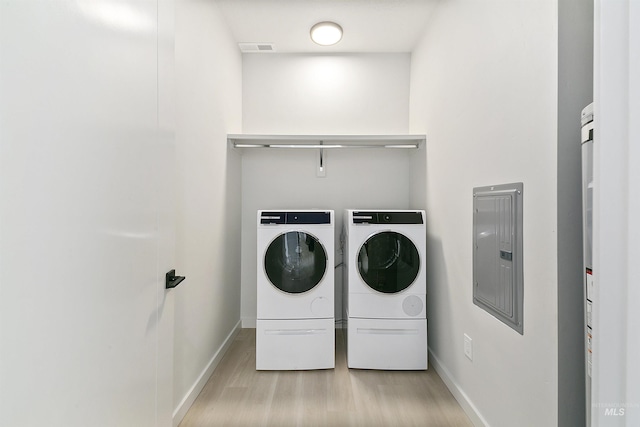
<point x="86" y="226"/>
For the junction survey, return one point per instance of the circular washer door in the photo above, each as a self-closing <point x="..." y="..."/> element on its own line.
<point x="295" y="262"/>
<point x="388" y="262"/>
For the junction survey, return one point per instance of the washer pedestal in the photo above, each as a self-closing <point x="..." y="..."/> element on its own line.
<point x="389" y="344"/>
<point x="296" y="344"/>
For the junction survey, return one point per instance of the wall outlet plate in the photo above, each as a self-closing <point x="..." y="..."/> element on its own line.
<point x="468" y="347"/>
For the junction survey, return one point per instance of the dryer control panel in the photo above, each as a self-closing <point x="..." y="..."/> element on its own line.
<point x="405" y="217"/>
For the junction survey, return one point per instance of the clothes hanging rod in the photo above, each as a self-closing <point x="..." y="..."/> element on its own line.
<point x="316" y="146"/>
<point x="326" y="141"/>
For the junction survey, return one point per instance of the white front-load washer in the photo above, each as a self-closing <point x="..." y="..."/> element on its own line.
<point x="295" y="326"/>
<point x="385" y="289"/>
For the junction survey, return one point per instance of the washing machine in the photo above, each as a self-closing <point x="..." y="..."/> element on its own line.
<point x="385" y="289"/>
<point x="295" y="328"/>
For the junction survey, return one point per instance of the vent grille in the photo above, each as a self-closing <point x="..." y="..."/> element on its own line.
<point x="256" y="47"/>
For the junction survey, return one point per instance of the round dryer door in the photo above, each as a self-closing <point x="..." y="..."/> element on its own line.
<point x="295" y="262"/>
<point x="388" y="262"/>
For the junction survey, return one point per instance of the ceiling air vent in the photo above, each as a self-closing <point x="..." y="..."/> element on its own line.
<point x="256" y="47"/>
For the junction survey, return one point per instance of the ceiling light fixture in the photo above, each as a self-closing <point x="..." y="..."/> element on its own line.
<point x="326" y="33"/>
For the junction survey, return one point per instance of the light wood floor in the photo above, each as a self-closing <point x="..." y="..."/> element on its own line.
<point x="238" y="395"/>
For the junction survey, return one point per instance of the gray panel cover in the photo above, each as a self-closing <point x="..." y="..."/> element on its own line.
<point x="497" y="252"/>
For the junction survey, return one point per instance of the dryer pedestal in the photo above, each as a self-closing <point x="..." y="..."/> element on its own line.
<point x="295" y="344"/>
<point x="388" y="344"/>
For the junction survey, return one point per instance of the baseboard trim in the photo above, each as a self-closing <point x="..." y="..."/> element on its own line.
<point x="192" y="394"/>
<point x="465" y="403"/>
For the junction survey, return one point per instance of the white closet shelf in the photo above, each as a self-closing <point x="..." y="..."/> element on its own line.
<point x="325" y="141"/>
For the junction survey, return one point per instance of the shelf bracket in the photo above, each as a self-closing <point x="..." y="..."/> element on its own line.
<point x="321" y="171"/>
<point x="171" y="280"/>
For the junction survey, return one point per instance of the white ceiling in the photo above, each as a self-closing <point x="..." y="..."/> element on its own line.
<point x="369" y="25"/>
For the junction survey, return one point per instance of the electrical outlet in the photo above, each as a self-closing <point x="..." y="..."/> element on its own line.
<point x="468" y="347"/>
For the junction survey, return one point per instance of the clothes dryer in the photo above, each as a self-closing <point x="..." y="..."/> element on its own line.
<point x="295" y="290"/>
<point x="385" y="289"/>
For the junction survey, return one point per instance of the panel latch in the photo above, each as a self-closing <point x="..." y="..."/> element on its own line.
<point x="506" y="255"/>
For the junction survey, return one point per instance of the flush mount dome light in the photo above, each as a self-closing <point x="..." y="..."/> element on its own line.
<point x="326" y="33"/>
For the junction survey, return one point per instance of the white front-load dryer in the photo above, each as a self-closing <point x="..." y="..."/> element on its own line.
<point x="295" y="326"/>
<point x="385" y="289"/>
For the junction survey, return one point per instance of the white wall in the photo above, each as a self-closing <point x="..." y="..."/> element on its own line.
<point x="325" y="94"/>
<point x="484" y="90"/>
<point x="86" y="140"/>
<point x="321" y="94"/>
<point x="616" y="390"/>
<point x="207" y="309"/>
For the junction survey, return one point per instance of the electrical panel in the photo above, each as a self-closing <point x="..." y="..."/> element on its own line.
<point x="497" y="252"/>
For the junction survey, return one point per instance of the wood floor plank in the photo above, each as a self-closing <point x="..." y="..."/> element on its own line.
<point x="237" y="395"/>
